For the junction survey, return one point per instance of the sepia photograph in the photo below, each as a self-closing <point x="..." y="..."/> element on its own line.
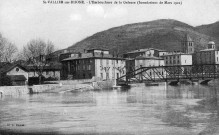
<point x="109" y="67"/>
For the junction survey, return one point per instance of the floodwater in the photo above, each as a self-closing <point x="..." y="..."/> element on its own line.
<point x="151" y="110"/>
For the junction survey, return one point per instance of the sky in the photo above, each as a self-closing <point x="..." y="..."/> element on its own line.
<point x="66" y="24"/>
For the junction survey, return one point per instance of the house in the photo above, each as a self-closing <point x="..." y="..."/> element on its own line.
<point x="51" y="71"/>
<point x="207" y="56"/>
<point x="145" y="61"/>
<point x="94" y="63"/>
<point x="148" y="52"/>
<point x="17" y="74"/>
<point x="177" y="59"/>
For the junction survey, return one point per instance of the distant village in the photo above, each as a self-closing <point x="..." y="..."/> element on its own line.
<point x="99" y="64"/>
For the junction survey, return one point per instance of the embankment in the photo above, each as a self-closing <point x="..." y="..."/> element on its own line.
<point x="21" y="90"/>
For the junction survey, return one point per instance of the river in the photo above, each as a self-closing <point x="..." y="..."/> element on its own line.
<point x="151" y="110"/>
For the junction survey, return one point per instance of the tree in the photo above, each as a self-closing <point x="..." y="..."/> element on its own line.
<point x="7" y="50"/>
<point x="35" y="53"/>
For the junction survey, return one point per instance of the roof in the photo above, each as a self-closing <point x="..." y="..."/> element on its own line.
<point x="206" y="50"/>
<point x="17" y="77"/>
<point x="175" y="54"/>
<point x="146" y="57"/>
<point x="49" y="67"/>
<point x="144" y="50"/>
<point x="90" y="55"/>
<point x="8" y="67"/>
<point x="97" y="49"/>
<point x="187" y="38"/>
<point x="211" y="43"/>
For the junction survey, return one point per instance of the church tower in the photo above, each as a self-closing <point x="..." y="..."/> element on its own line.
<point x="187" y="45"/>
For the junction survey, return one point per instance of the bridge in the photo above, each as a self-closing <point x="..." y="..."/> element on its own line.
<point x="171" y="74"/>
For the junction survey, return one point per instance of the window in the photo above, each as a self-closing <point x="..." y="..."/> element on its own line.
<point x="117" y="75"/>
<point x="89" y="67"/>
<point x="107" y="75"/>
<point x="17" y="69"/>
<point x="101" y="74"/>
<point x="185" y="61"/>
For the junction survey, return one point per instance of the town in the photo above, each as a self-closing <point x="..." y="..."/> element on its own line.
<point x="100" y="64"/>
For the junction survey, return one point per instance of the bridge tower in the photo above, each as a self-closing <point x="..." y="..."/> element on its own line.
<point x="187" y="45"/>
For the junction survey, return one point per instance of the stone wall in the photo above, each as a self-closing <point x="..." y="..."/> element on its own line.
<point x="14" y="90"/>
<point x="20" y="90"/>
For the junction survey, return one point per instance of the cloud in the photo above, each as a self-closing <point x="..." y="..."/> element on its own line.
<point x="95" y="11"/>
<point x="116" y="12"/>
<point x="75" y="17"/>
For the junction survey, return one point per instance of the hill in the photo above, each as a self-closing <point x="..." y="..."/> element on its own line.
<point x="211" y="30"/>
<point x="162" y="34"/>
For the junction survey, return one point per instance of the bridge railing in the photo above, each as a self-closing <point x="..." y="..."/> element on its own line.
<point x="165" y="73"/>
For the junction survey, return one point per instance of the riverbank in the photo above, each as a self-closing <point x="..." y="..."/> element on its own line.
<point x="57" y="87"/>
<point x="21" y="90"/>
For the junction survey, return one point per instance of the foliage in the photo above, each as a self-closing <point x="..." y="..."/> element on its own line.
<point x="6" y="81"/>
<point x="162" y="34"/>
<point x="7" y="50"/>
<point x="35" y="53"/>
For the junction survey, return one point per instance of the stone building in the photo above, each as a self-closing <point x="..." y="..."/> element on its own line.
<point x="210" y="55"/>
<point x="148" y="52"/>
<point x="177" y="59"/>
<point x="13" y="74"/>
<point x="94" y="63"/>
<point x="143" y="61"/>
<point x="49" y="72"/>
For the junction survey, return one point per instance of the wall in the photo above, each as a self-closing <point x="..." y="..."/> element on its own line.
<point x="112" y="67"/>
<point x="14" y="90"/>
<point x="186" y="60"/>
<point x="20" y="72"/>
<point x="150" y="63"/>
<point x="53" y="74"/>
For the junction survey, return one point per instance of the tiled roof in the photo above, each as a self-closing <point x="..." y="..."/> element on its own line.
<point x="205" y="50"/>
<point x="49" y="67"/>
<point x="147" y="57"/>
<point x="90" y="55"/>
<point x="9" y="66"/>
<point x="144" y="50"/>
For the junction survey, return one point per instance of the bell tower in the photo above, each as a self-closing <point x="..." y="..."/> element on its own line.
<point x="187" y="45"/>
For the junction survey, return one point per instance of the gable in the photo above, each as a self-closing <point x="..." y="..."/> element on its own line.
<point x="16" y="70"/>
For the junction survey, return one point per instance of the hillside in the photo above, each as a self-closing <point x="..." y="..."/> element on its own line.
<point x="211" y="30"/>
<point x="162" y="34"/>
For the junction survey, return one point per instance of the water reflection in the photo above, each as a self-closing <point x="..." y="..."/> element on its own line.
<point x="184" y="109"/>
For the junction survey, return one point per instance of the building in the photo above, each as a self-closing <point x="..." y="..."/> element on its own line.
<point x="94" y="63"/>
<point x="207" y="56"/>
<point x="149" y="52"/>
<point x="177" y="59"/>
<point x="13" y="74"/>
<point x="145" y="61"/>
<point x="187" y="45"/>
<point x="49" y="72"/>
